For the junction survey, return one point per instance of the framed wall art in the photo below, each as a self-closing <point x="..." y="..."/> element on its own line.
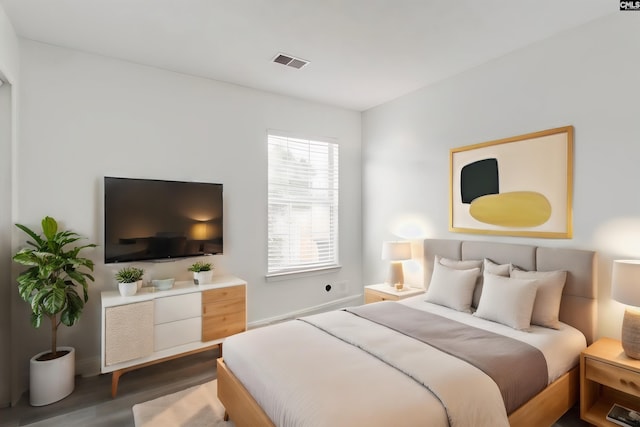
<point x="518" y="186"/>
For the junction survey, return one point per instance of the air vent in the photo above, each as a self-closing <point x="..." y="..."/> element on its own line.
<point x="290" y="61"/>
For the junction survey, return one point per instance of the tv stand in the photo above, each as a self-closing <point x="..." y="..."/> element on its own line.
<point x="155" y="326"/>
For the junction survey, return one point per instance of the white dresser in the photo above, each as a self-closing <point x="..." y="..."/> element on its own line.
<point x="154" y="326"/>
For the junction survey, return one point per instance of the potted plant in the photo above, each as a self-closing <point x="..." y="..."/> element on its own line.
<point x="129" y="280"/>
<point x="202" y="272"/>
<point x="51" y="287"/>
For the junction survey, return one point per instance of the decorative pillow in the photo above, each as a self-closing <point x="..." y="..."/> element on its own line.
<point x="452" y="288"/>
<point x="497" y="269"/>
<point x="507" y="300"/>
<point x="489" y="266"/>
<point x="547" y="305"/>
<point x="458" y="265"/>
<point x="464" y="265"/>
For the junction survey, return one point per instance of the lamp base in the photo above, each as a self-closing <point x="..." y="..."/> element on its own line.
<point x="396" y="275"/>
<point x="631" y="333"/>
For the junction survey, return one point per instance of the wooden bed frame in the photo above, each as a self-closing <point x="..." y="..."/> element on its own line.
<point x="578" y="309"/>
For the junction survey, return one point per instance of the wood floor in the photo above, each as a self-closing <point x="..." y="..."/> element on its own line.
<point x="91" y="403"/>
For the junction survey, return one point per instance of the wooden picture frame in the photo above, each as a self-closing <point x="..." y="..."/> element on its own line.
<point x="518" y="186"/>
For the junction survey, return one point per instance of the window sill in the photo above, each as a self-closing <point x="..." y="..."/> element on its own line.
<point x="275" y="277"/>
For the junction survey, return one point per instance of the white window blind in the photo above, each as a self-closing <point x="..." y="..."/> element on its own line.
<point x="303" y="204"/>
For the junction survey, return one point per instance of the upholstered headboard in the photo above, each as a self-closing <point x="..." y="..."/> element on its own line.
<point x="578" y="307"/>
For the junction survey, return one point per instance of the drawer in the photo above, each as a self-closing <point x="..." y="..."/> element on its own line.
<point x="223" y="293"/>
<point x="216" y="327"/>
<point x="612" y="376"/>
<point x="177" y="333"/>
<point x="179" y="307"/>
<point x="229" y="306"/>
<point x="374" y="296"/>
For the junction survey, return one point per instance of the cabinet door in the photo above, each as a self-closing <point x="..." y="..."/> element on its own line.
<point x="128" y="332"/>
<point x="224" y="312"/>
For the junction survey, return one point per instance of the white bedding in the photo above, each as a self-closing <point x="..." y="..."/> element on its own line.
<point x="302" y="376"/>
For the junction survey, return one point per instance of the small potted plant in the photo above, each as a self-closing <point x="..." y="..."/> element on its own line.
<point x="202" y="272"/>
<point x="129" y="280"/>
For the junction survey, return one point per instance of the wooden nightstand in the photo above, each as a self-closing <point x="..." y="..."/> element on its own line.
<point x="607" y="376"/>
<point x="384" y="292"/>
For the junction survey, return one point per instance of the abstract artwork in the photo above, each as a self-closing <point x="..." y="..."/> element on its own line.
<point x="518" y="186"/>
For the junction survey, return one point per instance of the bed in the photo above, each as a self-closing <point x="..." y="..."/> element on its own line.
<point x="360" y="367"/>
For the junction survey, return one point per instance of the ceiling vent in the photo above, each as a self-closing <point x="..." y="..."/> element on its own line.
<point x="290" y="61"/>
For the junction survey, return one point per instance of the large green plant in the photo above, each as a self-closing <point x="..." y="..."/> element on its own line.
<point x="50" y="283"/>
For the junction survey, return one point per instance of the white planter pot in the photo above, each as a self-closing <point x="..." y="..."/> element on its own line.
<point x="202" y="277"/>
<point x="128" y="289"/>
<point x="51" y="380"/>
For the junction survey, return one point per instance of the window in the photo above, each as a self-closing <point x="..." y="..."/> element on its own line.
<point x="303" y="204"/>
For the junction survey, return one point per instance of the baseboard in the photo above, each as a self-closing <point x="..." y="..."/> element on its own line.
<point x="331" y="305"/>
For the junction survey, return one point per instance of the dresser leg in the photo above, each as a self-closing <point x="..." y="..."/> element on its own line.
<point x="115" y="377"/>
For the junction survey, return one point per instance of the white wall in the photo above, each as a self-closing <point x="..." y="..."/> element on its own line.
<point x="84" y="117"/>
<point x="586" y="77"/>
<point x="9" y="75"/>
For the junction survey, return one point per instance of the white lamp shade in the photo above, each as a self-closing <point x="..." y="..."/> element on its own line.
<point x="396" y="251"/>
<point x="625" y="282"/>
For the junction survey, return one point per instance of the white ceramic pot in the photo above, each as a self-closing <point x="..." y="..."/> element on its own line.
<point x="128" y="289"/>
<point x="202" y="277"/>
<point x="51" y="380"/>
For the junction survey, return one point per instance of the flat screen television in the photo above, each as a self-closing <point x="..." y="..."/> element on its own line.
<point x="148" y="219"/>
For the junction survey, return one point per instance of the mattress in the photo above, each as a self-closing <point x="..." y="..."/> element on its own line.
<point x="302" y="376"/>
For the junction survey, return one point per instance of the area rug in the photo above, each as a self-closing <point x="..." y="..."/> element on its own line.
<point x="197" y="406"/>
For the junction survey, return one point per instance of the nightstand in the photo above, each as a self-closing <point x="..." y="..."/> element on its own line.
<point x="384" y="292"/>
<point x="607" y="376"/>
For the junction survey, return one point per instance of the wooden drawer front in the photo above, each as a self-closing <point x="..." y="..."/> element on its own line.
<point x="612" y="376"/>
<point x="179" y="307"/>
<point x="223" y="293"/>
<point x="223" y="307"/>
<point x="221" y="326"/>
<point x="374" y="296"/>
<point x="172" y="334"/>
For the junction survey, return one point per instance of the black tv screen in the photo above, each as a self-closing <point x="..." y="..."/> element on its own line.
<point x="146" y="219"/>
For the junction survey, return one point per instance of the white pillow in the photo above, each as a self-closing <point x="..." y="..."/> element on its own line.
<point x="546" y="308"/>
<point x="489" y="266"/>
<point x="457" y="264"/>
<point x="452" y="288"/>
<point x="507" y="300"/>
<point x="465" y="265"/>
<point x="497" y="269"/>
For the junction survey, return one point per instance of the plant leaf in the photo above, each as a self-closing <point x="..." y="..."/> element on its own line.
<point x="74" y="308"/>
<point x="36" y="319"/>
<point x="49" y="227"/>
<point x="40" y="242"/>
<point x="55" y="301"/>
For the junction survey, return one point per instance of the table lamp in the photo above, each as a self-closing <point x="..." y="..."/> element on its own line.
<point x="395" y="253"/>
<point x="625" y="288"/>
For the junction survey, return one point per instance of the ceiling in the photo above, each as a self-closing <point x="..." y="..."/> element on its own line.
<point x="362" y="53"/>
